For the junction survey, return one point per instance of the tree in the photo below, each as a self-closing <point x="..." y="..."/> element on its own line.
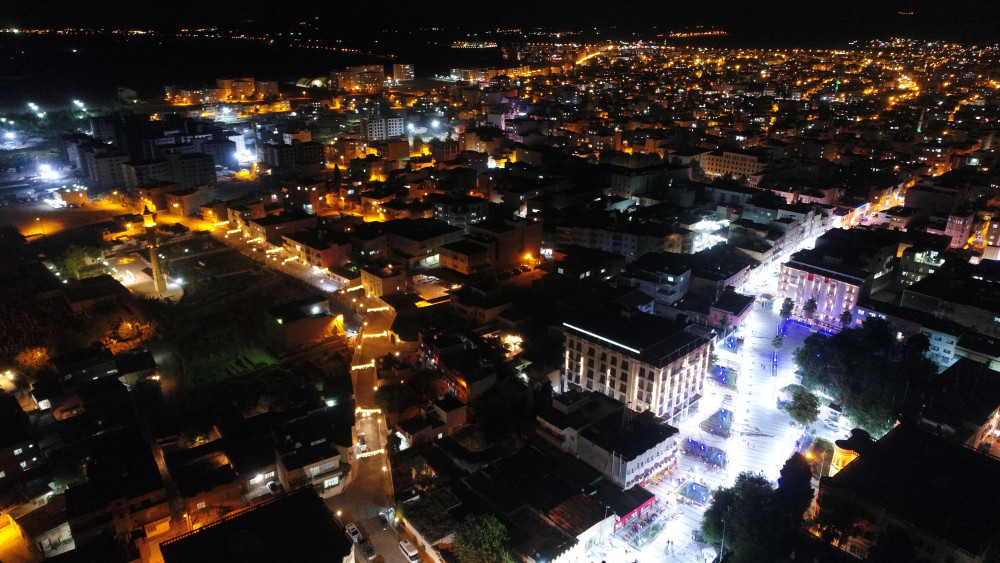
<point x="726" y="323"/>
<point x="809" y="309"/>
<point x="867" y="370"/>
<point x="32" y="359"/>
<point x="481" y="538"/>
<point x="820" y="454"/>
<point x="75" y="258"/>
<point x="846" y="318"/>
<point x="794" y="492"/>
<point x="804" y="407"/>
<point x="787" y="306"/>
<point x="777" y="342"/>
<point x="748" y="511"/>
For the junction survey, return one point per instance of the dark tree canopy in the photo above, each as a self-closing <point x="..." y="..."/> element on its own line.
<point x="787" y="306"/>
<point x="481" y="538"/>
<point x="804" y="407"/>
<point x="794" y="492"/>
<point x="809" y="308"/>
<point x="758" y="519"/>
<point x="868" y="370"/>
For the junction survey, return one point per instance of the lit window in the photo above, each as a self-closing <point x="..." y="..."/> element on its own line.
<point x="19" y="451"/>
<point x="331" y="482"/>
<point x="200" y="505"/>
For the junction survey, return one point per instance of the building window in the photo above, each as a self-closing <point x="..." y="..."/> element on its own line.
<point x="331" y="482"/>
<point x="23" y="464"/>
<point x="19" y="451"/>
<point x="200" y="505"/>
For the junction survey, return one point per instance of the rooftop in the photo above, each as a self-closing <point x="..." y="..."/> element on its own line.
<point x="651" y="339"/>
<point x="297" y="527"/>
<point x="941" y="488"/>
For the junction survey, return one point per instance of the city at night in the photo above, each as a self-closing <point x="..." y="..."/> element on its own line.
<point x="558" y="282"/>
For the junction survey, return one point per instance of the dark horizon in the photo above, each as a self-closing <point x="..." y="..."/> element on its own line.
<point x="783" y="21"/>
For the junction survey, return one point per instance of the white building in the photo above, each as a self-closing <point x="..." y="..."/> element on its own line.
<point x="380" y="129"/>
<point x="646" y="362"/>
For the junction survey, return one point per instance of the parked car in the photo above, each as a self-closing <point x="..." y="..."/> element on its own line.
<point x="383" y="520"/>
<point x="362" y="444"/>
<point x="353" y="532"/>
<point x="367" y="550"/>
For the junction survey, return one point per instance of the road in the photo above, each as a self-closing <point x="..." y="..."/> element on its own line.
<point x="763" y="436"/>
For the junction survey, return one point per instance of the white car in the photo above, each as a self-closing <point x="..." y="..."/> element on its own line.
<point x="353" y="532"/>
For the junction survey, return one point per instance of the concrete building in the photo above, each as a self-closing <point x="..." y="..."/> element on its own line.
<point x="18" y="452"/>
<point x="646" y="362"/>
<point x="318" y="248"/>
<point x="738" y="164"/>
<point x="383" y="281"/>
<point x="124" y="494"/>
<point x="460" y="211"/>
<point x="382" y="128"/>
<point x="311" y="447"/>
<point x="402" y="72"/>
<point x="937" y="494"/>
<point x="271" y="228"/>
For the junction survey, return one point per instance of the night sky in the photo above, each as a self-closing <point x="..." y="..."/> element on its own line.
<point x="970" y="21"/>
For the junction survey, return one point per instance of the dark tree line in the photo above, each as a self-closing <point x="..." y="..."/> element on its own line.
<point x="868" y="370"/>
<point x="759" y="521"/>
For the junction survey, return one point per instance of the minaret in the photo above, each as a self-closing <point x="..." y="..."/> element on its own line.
<point x="920" y="122"/>
<point x="159" y="283"/>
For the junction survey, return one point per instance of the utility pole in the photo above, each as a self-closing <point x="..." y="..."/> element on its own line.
<point x="722" y="548"/>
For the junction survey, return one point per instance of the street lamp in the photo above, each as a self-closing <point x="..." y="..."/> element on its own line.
<point x="41" y="225"/>
<point x="822" y="463"/>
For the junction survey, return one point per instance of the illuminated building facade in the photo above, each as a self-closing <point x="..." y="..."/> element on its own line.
<point x="646" y="362"/>
<point x="739" y="164"/>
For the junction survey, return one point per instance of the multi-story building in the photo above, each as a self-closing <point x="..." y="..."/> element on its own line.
<point x="628" y="448"/>
<point x="124" y="494"/>
<point x="960" y="292"/>
<point x="383" y="281"/>
<point x="206" y="481"/>
<point x="310" y="448"/>
<point x="845" y="266"/>
<point x="317" y="248"/>
<point x="18" y="453"/>
<point x="738" y="164"/>
<point x="514" y="241"/>
<point x="104" y="168"/>
<point x="270" y="228"/>
<point x="631" y="240"/>
<point x="460" y="211"/>
<point x="417" y="242"/>
<point x="835" y="288"/>
<point x="942" y="334"/>
<point x="381" y="128"/>
<point x="647" y="362"/>
<point x="142" y="172"/>
<point x="897" y="485"/>
<point x="402" y="72"/>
